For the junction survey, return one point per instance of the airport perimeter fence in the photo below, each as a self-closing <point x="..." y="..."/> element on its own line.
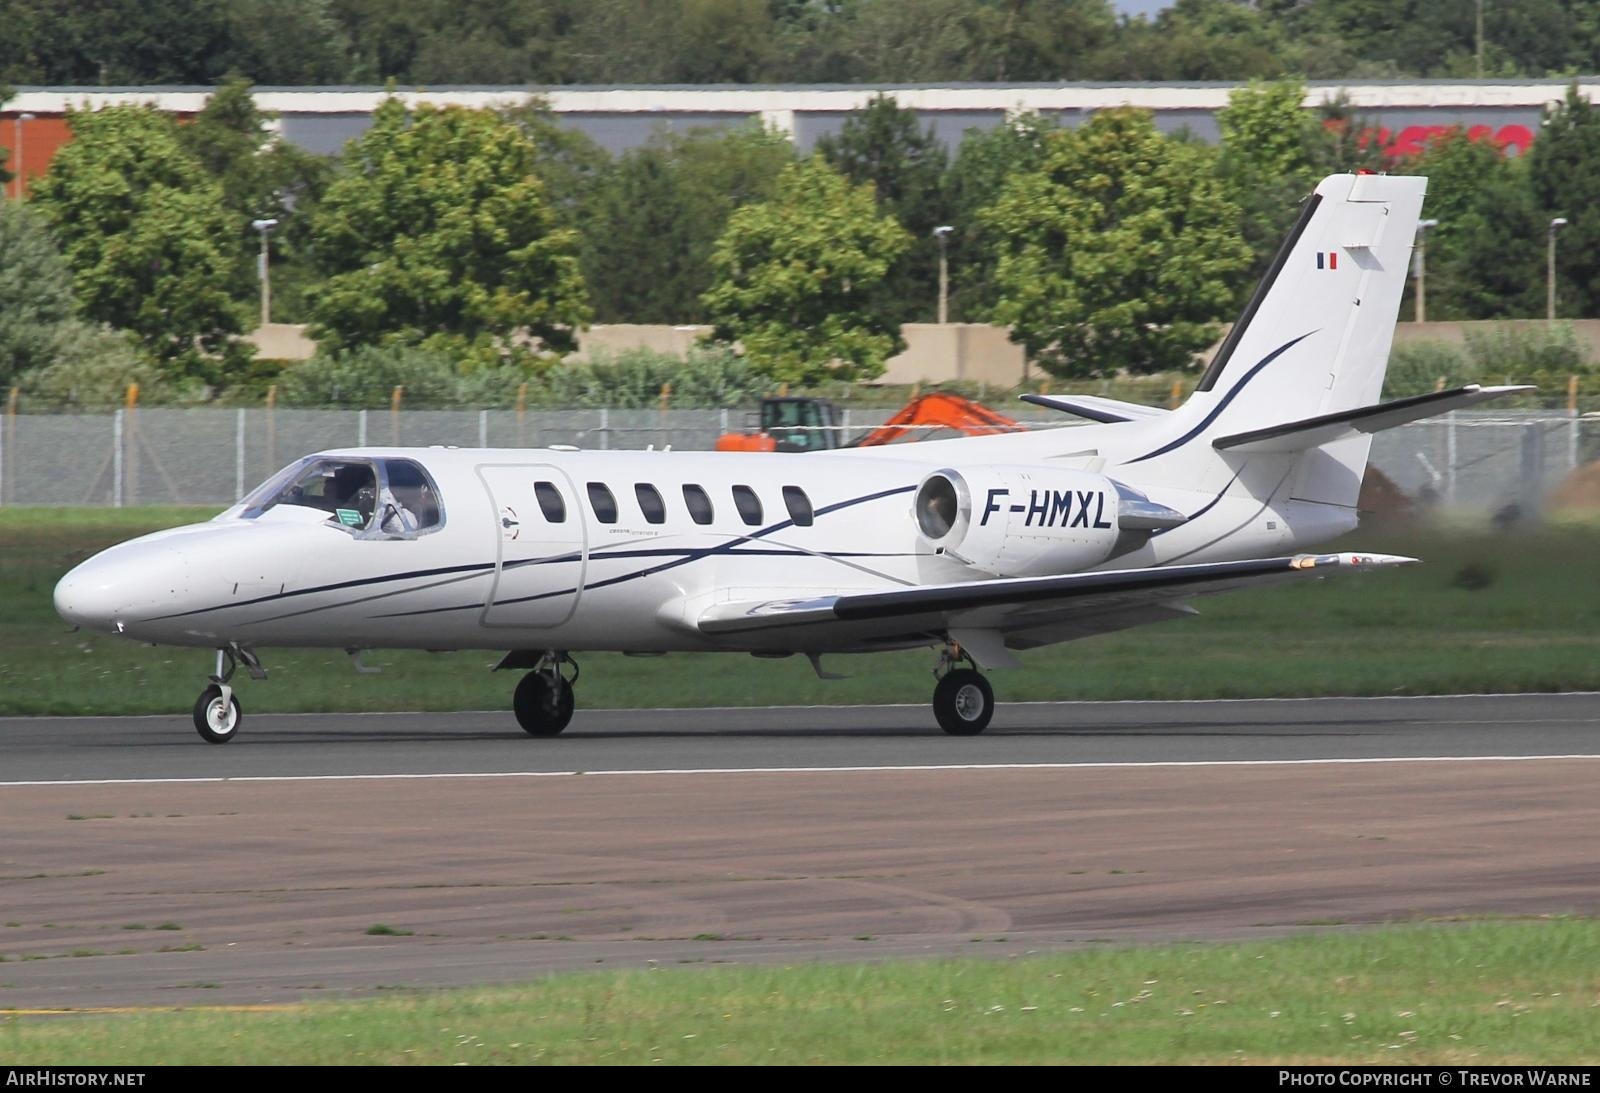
<point x="1481" y="460"/>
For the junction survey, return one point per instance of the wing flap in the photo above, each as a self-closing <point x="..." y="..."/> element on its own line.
<point x="1091" y="601"/>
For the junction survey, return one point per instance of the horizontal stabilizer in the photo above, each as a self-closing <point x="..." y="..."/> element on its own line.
<point x="1008" y="605"/>
<point x="1095" y="408"/>
<point x="1313" y="432"/>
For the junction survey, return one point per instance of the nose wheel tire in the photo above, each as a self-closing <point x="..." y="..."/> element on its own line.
<point x="215" y="718"/>
<point x="543" y="703"/>
<point x="963" y="702"/>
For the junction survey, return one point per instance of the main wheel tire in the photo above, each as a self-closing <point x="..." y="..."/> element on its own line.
<point x="542" y="709"/>
<point x="217" y="722"/>
<point x="963" y="702"/>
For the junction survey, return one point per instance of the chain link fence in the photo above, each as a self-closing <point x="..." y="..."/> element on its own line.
<point x="1469" y="459"/>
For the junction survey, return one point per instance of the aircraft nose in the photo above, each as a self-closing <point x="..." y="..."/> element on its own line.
<point x="121" y="585"/>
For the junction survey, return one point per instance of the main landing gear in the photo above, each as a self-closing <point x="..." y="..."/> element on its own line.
<point x="963" y="701"/>
<point x="543" y="700"/>
<point x="216" y="711"/>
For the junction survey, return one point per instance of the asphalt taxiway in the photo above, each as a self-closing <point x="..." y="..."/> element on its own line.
<point x="139" y="866"/>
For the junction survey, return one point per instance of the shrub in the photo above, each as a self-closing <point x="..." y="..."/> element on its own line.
<point x="710" y="377"/>
<point x="1417" y="367"/>
<point x="92" y="369"/>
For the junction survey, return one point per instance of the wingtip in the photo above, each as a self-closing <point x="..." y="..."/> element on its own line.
<point x="1350" y="560"/>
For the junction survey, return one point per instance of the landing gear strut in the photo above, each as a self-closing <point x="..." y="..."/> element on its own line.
<point x="963" y="701"/>
<point x="543" y="700"/>
<point x="216" y="711"/>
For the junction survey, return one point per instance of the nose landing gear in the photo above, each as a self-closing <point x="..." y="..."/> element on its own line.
<point x="216" y="711"/>
<point x="963" y="701"/>
<point x="543" y="700"/>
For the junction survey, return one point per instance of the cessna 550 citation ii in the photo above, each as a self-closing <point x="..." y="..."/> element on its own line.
<point x="973" y="547"/>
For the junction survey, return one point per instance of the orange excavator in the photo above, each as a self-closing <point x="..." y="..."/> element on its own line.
<point x="815" y="424"/>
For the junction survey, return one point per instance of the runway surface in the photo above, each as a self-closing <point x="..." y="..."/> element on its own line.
<point x="141" y="867"/>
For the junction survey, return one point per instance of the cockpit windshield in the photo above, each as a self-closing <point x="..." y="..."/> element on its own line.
<point x="374" y="498"/>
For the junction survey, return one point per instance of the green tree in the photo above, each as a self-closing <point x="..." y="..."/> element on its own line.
<point x="653" y="221"/>
<point x="884" y="146"/>
<point x="145" y="231"/>
<point x="1200" y="40"/>
<point x="637" y="256"/>
<point x="1438" y="37"/>
<point x="1046" y="39"/>
<point x="1271" y="145"/>
<point x="1121" y="252"/>
<point x="438" y="232"/>
<point x="261" y="177"/>
<point x="35" y="293"/>
<point x="1564" y="173"/>
<point x="569" y="163"/>
<point x="285" y="42"/>
<point x="1485" y="257"/>
<point x="983" y="163"/>
<point x="795" y="277"/>
<point x="88" y="42"/>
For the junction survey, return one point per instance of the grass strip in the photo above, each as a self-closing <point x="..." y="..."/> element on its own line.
<point x="1466" y="993"/>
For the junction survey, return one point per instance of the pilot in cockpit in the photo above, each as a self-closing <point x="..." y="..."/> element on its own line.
<point x="352" y="488"/>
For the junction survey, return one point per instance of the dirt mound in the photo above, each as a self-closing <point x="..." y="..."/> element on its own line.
<point x="1381" y="499"/>
<point x="1580" y="492"/>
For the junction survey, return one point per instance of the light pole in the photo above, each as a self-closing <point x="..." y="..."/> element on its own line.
<point x="264" y="226"/>
<point x="16" y="145"/>
<point x="942" y="234"/>
<point x="1550" y="268"/>
<point x="1421" y="268"/>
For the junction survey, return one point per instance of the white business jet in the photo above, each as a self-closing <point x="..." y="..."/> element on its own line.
<point x="974" y="548"/>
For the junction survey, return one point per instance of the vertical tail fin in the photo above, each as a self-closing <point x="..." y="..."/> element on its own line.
<point x="1315" y="337"/>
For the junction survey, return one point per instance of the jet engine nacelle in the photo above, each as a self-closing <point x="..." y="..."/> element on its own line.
<point x="1029" y="521"/>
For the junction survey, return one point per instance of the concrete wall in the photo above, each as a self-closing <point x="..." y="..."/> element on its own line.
<point x="281" y="342"/>
<point x="616" y="337"/>
<point x="934" y="353"/>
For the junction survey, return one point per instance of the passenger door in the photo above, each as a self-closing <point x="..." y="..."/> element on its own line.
<point x="539" y="562"/>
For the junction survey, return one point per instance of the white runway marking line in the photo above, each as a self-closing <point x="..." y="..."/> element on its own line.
<point x="431" y="776"/>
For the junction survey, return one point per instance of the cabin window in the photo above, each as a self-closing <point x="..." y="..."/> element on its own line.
<point x="650" y="503"/>
<point x="799" y="506"/>
<point x="550" y="502"/>
<point x="699" y="502"/>
<point x="602" y="502"/>
<point x="748" y="504"/>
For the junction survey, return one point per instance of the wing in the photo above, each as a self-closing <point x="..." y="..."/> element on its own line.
<point x="990" y="617"/>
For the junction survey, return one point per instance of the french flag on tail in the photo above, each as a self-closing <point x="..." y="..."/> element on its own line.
<point x="1327" y="259"/>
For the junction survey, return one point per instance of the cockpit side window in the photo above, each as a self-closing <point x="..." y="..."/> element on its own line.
<point x="385" y="499"/>
<point x="408" y="501"/>
<point x="345" y="489"/>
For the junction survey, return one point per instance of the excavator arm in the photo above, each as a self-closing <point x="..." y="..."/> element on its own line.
<point x="938" y="410"/>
